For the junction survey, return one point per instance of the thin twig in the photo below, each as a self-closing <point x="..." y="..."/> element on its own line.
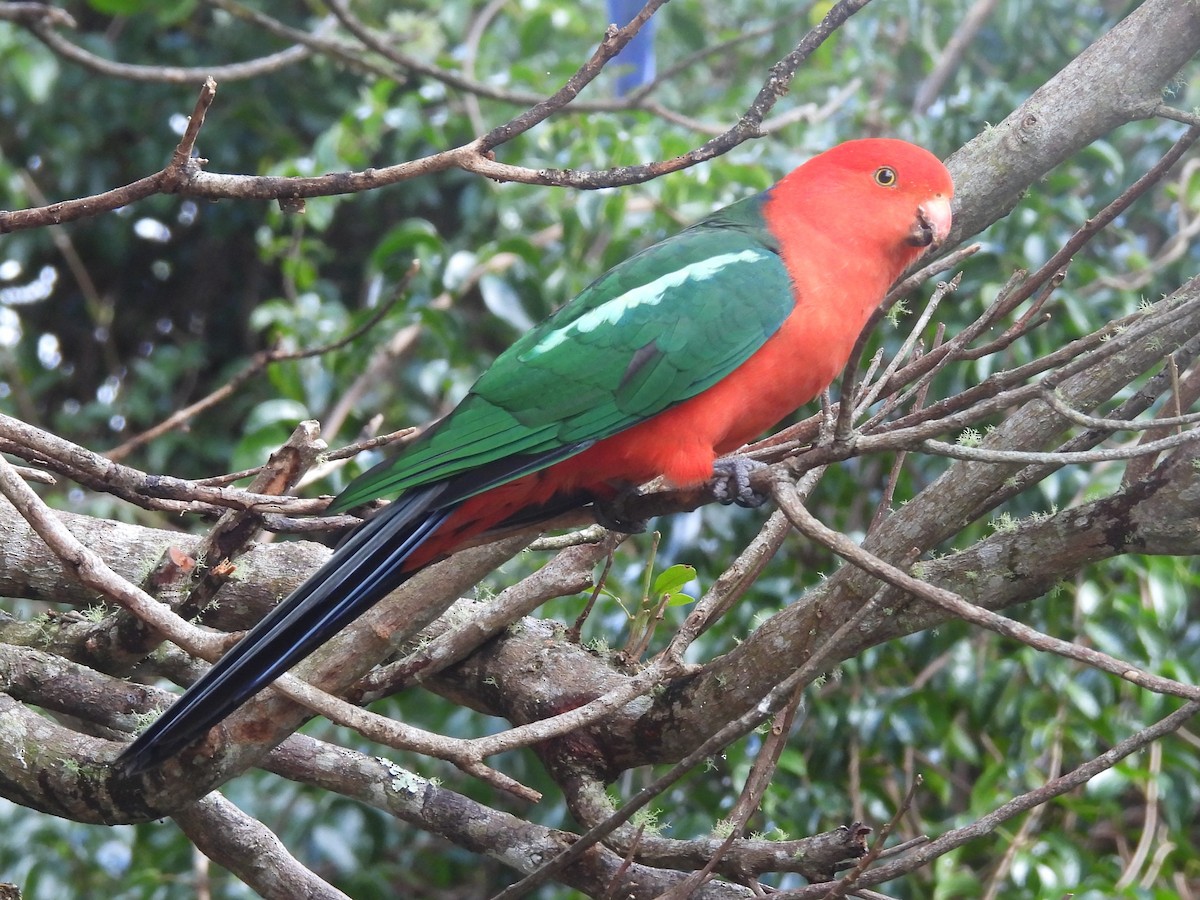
<point x="729" y="732"/>
<point x="44" y="28"/>
<point x="1057" y="457"/>
<point x="953" y="53"/>
<point x="806" y="523"/>
<point x="476" y="156"/>
<point x="846" y="884"/>
<point x="259" y="363"/>
<point x="171" y="179"/>
<point x="1068" y="412"/>
<point x="986" y="824"/>
<point x="849" y="378"/>
<point x="91" y="570"/>
<point x="1103" y="219"/>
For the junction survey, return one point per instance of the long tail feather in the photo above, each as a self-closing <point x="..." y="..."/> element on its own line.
<point x="368" y="566"/>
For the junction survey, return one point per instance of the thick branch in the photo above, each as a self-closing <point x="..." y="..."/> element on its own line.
<point x="1119" y="79"/>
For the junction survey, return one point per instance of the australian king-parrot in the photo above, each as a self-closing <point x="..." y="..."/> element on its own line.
<point x="677" y="356"/>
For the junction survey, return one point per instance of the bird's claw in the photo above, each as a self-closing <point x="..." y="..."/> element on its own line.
<point x="731" y="481"/>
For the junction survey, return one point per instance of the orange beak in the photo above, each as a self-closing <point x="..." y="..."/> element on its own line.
<point x="932" y="224"/>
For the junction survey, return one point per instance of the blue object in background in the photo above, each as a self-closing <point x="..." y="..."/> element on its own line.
<point x="635" y="64"/>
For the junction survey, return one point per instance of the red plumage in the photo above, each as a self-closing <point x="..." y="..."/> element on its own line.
<point x="845" y="239"/>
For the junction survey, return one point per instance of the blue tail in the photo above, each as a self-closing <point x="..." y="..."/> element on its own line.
<point x="364" y="570"/>
<point x="361" y="572"/>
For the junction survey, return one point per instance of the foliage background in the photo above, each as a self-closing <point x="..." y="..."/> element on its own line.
<point x="111" y="323"/>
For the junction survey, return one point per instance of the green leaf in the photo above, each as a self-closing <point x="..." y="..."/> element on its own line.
<point x="671" y="580"/>
<point x="275" y="412"/>
<point x="404" y="242"/>
<point x="504" y="302"/>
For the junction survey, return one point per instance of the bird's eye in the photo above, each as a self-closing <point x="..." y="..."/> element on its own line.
<point x="885" y="176"/>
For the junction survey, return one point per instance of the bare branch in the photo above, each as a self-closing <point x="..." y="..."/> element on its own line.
<point x="953" y="53"/>
<point x="152" y="491"/>
<point x="43" y="21"/>
<point x="250" y="850"/>
<point x="810" y="526"/>
<point x="90" y="569"/>
<point x="257" y="365"/>
<point x="988" y="823"/>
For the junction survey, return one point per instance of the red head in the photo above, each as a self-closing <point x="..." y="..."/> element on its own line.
<point x="875" y="205"/>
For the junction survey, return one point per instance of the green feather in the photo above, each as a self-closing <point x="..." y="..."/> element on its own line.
<point x="659" y="328"/>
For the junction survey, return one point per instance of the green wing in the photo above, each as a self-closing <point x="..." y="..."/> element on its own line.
<point x="656" y="330"/>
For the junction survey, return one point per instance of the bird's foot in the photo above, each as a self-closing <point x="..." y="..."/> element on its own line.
<point x="613" y="514"/>
<point x="731" y="481"/>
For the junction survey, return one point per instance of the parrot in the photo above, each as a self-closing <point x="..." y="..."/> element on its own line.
<point x="661" y="367"/>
